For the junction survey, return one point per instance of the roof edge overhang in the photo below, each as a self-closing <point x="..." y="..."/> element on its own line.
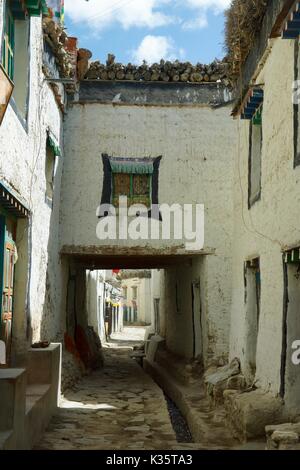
<point x="12" y="202"/>
<point x="273" y="24"/>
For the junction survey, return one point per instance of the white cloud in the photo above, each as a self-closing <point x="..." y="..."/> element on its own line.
<point x="218" y="5"/>
<point x="196" y="23"/>
<point x="102" y="13"/>
<point x="201" y="7"/>
<point x="154" y="48"/>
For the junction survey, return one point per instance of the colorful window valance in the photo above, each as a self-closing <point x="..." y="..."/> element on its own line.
<point x="36" y="7"/>
<point x="257" y="118"/>
<point x="52" y="8"/>
<point x="131" y="166"/>
<point x="53" y="145"/>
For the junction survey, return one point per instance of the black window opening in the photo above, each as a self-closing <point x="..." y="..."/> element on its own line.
<point x="255" y="158"/>
<point x="52" y="151"/>
<point x="252" y="275"/>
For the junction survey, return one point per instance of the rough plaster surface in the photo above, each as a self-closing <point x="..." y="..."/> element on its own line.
<point x="153" y="93"/>
<point x="197" y="146"/>
<point x="183" y="137"/>
<point x="22" y="166"/>
<point x="271" y="223"/>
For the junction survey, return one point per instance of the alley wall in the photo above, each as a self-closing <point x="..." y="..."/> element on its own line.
<point x="271" y="224"/>
<point x="22" y="168"/>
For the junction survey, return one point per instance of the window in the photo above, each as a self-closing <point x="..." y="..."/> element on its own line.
<point x="15" y="53"/>
<point x="252" y="315"/>
<point x="255" y="150"/>
<point x="52" y="151"/>
<point x="21" y="66"/>
<point x="135" y="186"/>
<point x="49" y="172"/>
<point x="134" y="293"/>
<point x="8" y="42"/>
<point x="136" y="178"/>
<point x="290" y="378"/>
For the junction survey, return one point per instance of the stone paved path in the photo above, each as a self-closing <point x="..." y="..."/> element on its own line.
<point x="117" y="408"/>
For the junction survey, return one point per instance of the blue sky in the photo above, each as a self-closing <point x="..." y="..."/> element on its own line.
<point x="134" y="30"/>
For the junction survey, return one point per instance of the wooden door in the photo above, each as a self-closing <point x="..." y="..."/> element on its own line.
<point x="7" y="295"/>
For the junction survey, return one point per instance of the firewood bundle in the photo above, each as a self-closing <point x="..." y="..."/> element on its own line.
<point x="164" y="71"/>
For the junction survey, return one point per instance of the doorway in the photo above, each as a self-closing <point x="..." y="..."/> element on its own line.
<point x="252" y="298"/>
<point x="197" y="320"/>
<point x="8" y="258"/>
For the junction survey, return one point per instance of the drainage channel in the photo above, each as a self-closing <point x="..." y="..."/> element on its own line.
<point x="180" y="426"/>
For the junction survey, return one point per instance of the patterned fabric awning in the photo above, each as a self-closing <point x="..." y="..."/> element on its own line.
<point x="131" y="166"/>
<point x="11" y="202"/>
<point x="291" y="27"/>
<point x="252" y="103"/>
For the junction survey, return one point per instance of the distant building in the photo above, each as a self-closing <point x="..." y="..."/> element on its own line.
<point x="136" y="295"/>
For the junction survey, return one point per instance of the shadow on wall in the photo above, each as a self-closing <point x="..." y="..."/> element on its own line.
<point x="64" y="317"/>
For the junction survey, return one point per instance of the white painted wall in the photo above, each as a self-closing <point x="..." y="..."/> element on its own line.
<point x="22" y="166"/>
<point x="95" y="301"/>
<point x="197" y="147"/>
<point x="273" y="222"/>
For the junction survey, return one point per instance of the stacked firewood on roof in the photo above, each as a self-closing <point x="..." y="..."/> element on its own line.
<point x="243" y="21"/>
<point x="164" y="71"/>
<point x="57" y="39"/>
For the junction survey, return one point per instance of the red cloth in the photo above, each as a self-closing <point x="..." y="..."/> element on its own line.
<point x="71" y="346"/>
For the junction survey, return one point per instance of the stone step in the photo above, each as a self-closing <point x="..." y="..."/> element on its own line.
<point x="38" y="398"/>
<point x="250" y="412"/>
<point x="35" y="393"/>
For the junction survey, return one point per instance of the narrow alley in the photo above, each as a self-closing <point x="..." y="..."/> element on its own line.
<point x="149" y="225"/>
<point x="118" y="407"/>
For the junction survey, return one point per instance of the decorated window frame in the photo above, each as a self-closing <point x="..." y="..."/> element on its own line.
<point x="140" y="181"/>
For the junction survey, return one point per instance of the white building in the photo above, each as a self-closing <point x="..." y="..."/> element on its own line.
<point x="31" y="161"/>
<point x="104" y="303"/>
<point x="265" y="321"/>
<point x="136" y="293"/>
